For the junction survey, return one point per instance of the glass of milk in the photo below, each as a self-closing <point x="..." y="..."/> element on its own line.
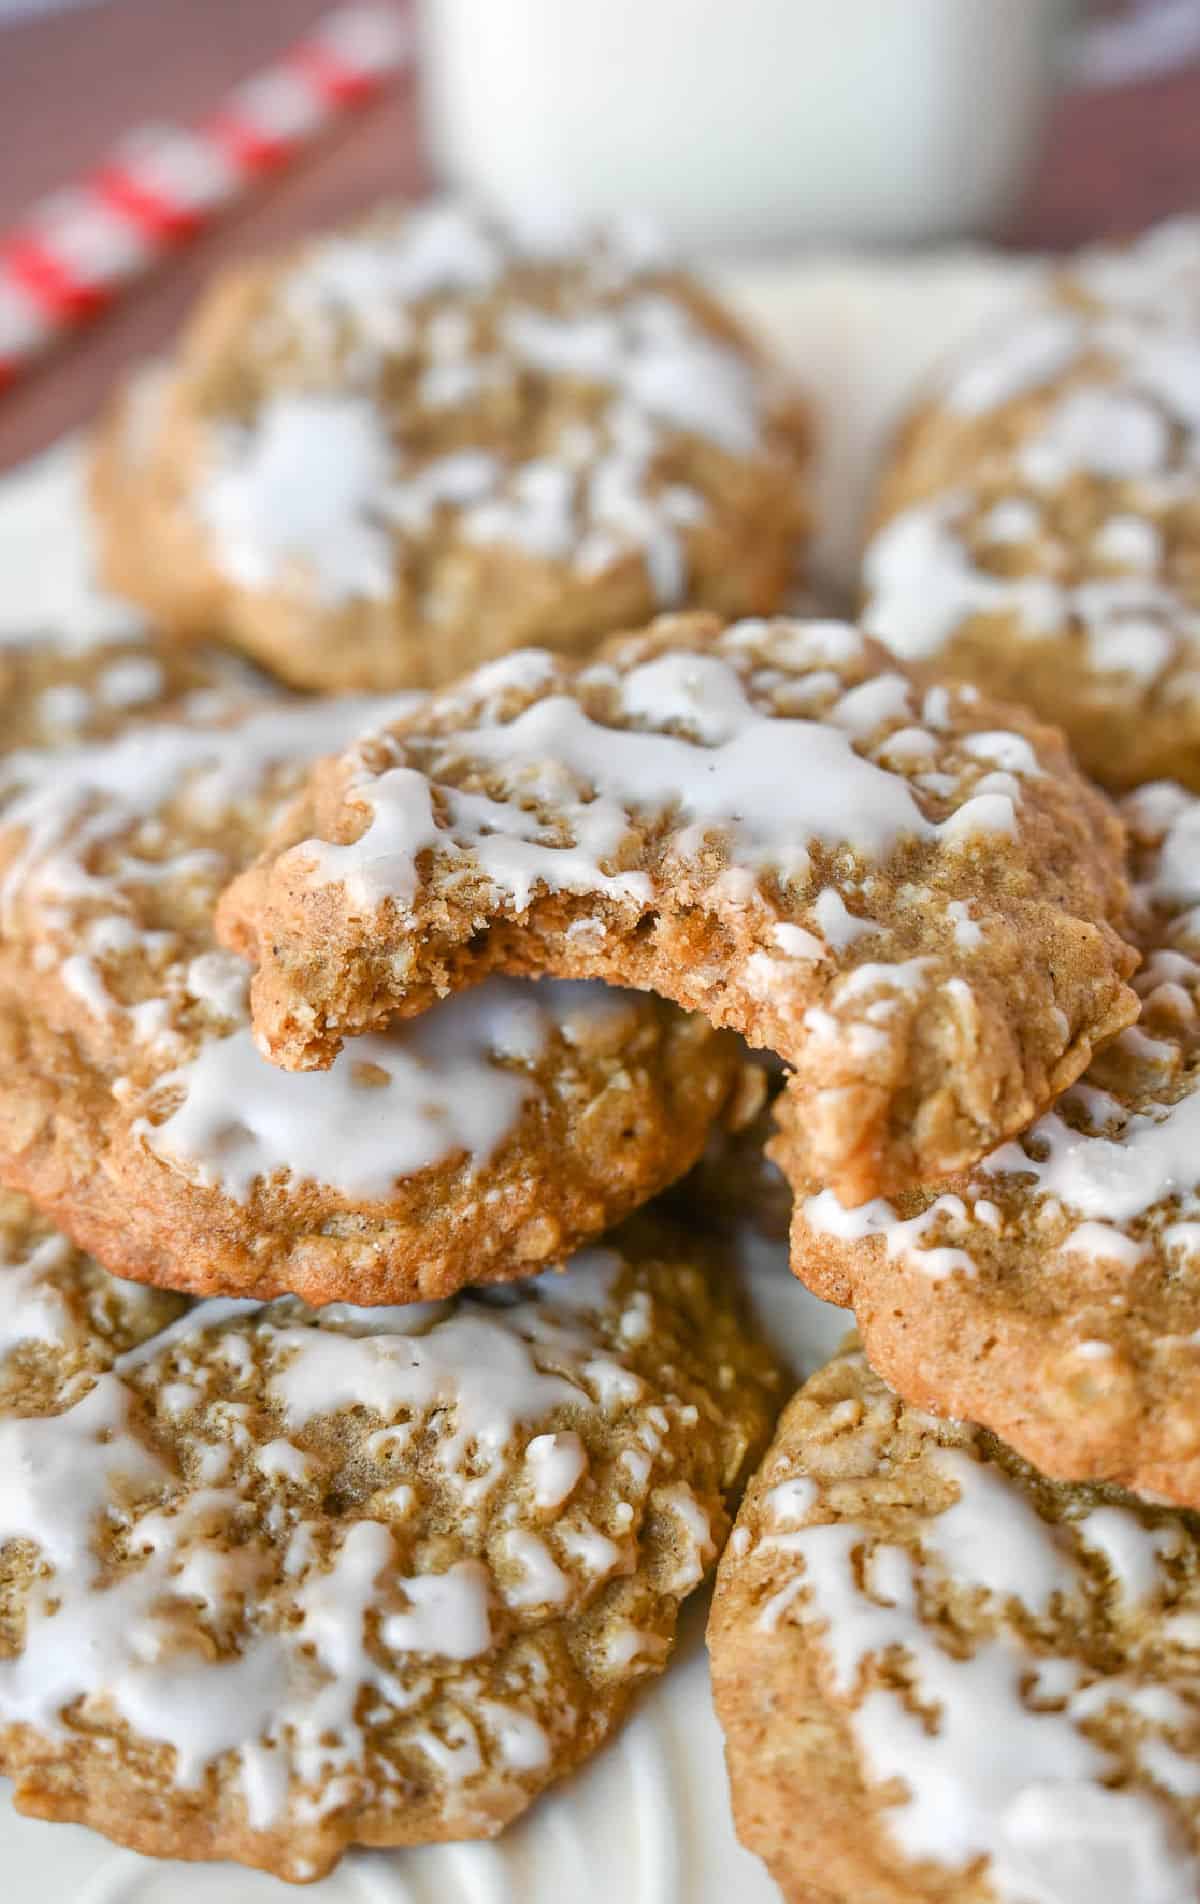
<point x="745" y="123"/>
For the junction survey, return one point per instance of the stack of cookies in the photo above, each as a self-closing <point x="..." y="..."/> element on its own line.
<point x="366" y="1428"/>
<point x="962" y="1662"/>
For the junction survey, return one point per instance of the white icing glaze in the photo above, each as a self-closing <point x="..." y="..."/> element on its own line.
<point x="1129" y="542"/>
<point x="312" y="490"/>
<point x="556" y="1464"/>
<point x="287" y="1704"/>
<point x="473" y="1363"/>
<point x="50" y="585"/>
<point x="459" y="478"/>
<point x="591" y="509"/>
<point x="66" y="706"/>
<point x="1112" y="1180"/>
<point x="66" y="800"/>
<point x="922" y="584"/>
<point x="298" y="498"/>
<point x="447" y="1615"/>
<point x="537" y="513"/>
<point x="923" y="587"/>
<point x="625" y="1643"/>
<point x="391" y="1105"/>
<point x="1132" y="1552"/>
<point x="1071" y="1842"/>
<point x="523" y="1742"/>
<point x="650" y="352"/>
<point x="1155" y="276"/>
<point x="922" y="580"/>
<point x="987" y="1752"/>
<point x="32" y="1309"/>
<point x="991" y="1536"/>
<point x="1106" y="432"/>
<point x="1013" y="520"/>
<point x="838" y="924"/>
<point x="541" y="1581"/>
<point x="769" y="785"/>
<point x="902" y="1239"/>
<point x="697" y="1548"/>
<point x="985" y="1771"/>
<point x="371" y="275"/>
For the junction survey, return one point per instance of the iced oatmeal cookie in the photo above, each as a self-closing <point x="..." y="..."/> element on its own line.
<point x="944" y="1679"/>
<point x="274" y="1580"/>
<point x="1051" y="1293"/>
<point x="1038" y="533"/>
<point x="491" y="1136"/>
<point x="427" y="439"/>
<point x="904" y="890"/>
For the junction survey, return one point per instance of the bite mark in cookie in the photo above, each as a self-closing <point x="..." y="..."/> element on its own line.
<point x="475" y="1145"/>
<point x="905" y="891"/>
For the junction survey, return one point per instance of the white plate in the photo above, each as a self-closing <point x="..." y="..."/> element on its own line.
<point x="648" y="1821"/>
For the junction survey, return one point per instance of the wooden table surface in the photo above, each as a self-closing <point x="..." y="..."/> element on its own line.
<point x="73" y="83"/>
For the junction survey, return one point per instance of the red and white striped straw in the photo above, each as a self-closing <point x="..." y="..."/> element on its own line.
<point x="78" y="249"/>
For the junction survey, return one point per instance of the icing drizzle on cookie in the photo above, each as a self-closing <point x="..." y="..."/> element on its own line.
<point x="115" y="857"/>
<point x="465" y="310"/>
<point x="51" y="587"/>
<point x="686" y="740"/>
<point x="764" y="822"/>
<point x="197" y="1588"/>
<point x="451" y="1083"/>
<point x="1118" y="404"/>
<point x="1112" y="1171"/>
<point x="996" y="1647"/>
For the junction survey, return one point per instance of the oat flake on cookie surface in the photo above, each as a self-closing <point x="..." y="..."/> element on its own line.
<point x="1051" y="1293"/>
<point x="274" y="1580"/>
<point x="1038" y="524"/>
<point x="904" y="890"/>
<point x="430" y="437"/>
<point x="944" y="1679"/>
<point x="491" y="1136"/>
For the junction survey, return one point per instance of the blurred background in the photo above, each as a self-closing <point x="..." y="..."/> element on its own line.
<point x="757" y="126"/>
